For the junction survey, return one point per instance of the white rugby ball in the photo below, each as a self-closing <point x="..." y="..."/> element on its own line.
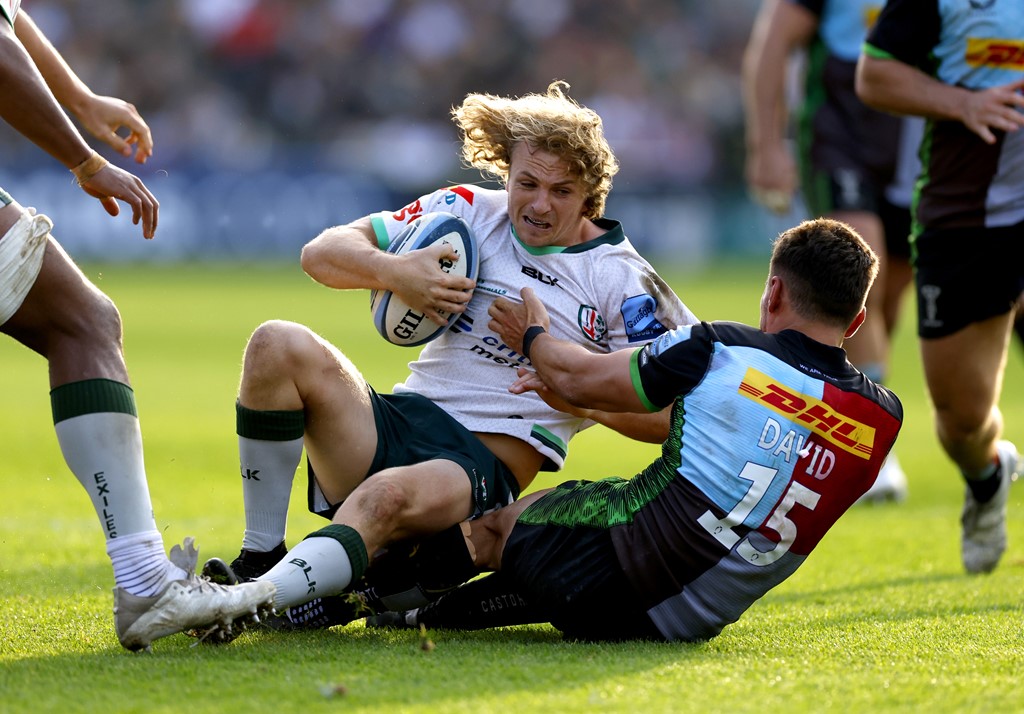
<point x="398" y="323"/>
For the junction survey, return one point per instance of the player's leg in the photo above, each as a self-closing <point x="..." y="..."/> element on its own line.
<point x="490" y="601"/>
<point x="393" y="504"/>
<point x="570" y="569"/>
<point x="868" y="350"/>
<point x="965" y="315"/>
<point x="296" y="391"/>
<point x="412" y="573"/>
<point x="67" y="320"/>
<point x="964" y="392"/>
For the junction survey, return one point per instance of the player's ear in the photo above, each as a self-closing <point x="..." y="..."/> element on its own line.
<point x="857" y="322"/>
<point x="776" y="291"/>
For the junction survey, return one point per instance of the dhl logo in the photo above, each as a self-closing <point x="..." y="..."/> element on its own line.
<point x="871" y="13"/>
<point x="983" y="52"/>
<point x="846" y="433"/>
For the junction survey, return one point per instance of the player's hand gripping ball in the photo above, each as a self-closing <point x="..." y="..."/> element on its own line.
<point x="398" y="323"/>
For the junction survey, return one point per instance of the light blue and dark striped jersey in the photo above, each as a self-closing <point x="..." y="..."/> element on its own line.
<point x="976" y="44"/>
<point x="838" y="135"/>
<point x="773" y="438"/>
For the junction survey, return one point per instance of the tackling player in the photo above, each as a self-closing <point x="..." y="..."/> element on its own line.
<point x="774" y="436"/>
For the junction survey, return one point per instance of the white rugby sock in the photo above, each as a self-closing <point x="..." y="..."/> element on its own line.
<point x="268" y="469"/>
<point x="140" y="565"/>
<point x="101" y="440"/>
<point x="269" y="450"/>
<point x="315" y="567"/>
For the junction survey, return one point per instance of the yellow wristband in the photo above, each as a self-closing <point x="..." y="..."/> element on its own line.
<point x="89" y="168"/>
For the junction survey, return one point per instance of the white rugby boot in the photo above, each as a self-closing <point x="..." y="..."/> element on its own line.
<point x="983" y="539"/>
<point x="189" y="604"/>
<point x="891" y="484"/>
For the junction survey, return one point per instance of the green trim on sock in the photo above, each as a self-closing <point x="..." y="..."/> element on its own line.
<point x="269" y="425"/>
<point x="91" y="396"/>
<point x="351" y="541"/>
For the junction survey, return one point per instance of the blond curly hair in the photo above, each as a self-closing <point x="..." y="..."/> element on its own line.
<point x="491" y="126"/>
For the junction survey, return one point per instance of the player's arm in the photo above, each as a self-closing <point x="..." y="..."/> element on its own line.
<point x="888" y="84"/>
<point x="650" y="427"/>
<point x="572" y="373"/>
<point x="349" y="257"/>
<point x="101" y="116"/>
<point x="780" y="28"/>
<point x="29" y="106"/>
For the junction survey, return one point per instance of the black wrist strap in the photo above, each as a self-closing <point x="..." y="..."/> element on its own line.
<point x="529" y="336"/>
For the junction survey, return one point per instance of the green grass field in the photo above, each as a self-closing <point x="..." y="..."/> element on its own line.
<point x="881" y="618"/>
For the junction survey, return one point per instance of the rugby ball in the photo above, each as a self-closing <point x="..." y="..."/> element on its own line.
<point x="398" y="323"/>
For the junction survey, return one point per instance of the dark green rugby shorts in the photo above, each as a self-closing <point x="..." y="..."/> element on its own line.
<point x="412" y="429"/>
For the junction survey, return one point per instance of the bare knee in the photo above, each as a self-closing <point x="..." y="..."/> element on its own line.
<point x="964" y="422"/>
<point x="377" y="507"/>
<point x="88" y="326"/>
<point x="277" y="348"/>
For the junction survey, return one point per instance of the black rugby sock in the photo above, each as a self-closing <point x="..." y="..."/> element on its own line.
<point x="985" y="488"/>
<point x="491" y="601"/>
<point x="410" y="574"/>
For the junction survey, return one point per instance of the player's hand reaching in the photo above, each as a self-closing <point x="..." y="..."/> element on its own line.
<point x="112" y="184"/>
<point x="511" y="319"/>
<point x="103" y="116"/>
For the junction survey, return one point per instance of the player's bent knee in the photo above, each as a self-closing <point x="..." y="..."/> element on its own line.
<point x="278" y="345"/>
<point x="382" y="500"/>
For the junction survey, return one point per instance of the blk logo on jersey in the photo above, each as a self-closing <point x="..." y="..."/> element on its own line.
<point x="591" y="323"/>
<point x="641" y="323"/>
<point x="539" y="276"/>
<point x="846" y="433"/>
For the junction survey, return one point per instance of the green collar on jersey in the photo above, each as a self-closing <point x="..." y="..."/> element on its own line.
<point x="613" y="236"/>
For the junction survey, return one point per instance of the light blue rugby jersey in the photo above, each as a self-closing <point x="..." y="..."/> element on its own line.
<point x="773" y="438"/>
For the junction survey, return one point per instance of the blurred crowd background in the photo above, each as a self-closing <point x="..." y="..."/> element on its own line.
<point x="275" y="118"/>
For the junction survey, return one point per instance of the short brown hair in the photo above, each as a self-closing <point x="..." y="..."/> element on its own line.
<point x="491" y="127"/>
<point x="828" y="267"/>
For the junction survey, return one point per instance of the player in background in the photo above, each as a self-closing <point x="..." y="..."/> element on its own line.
<point x="774" y="436"/>
<point x="855" y="164"/>
<point x="451" y="442"/>
<point x="48" y="305"/>
<point x="958" y="64"/>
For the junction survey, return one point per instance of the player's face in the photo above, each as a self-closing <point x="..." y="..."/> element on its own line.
<point x="545" y="199"/>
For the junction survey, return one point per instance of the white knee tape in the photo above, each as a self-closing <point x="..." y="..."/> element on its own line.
<point x="21" y="257"/>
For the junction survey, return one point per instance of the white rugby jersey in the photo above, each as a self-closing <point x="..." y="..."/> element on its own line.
<point x="9" y="8"/>
<point x="600" y="294"/>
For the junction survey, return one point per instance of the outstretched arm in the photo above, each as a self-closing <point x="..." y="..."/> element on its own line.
<point x="581" y="378"/>
<point x="30" y="107"/>
<point x="101" y="116"/>
<point x="510" y="319"/>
